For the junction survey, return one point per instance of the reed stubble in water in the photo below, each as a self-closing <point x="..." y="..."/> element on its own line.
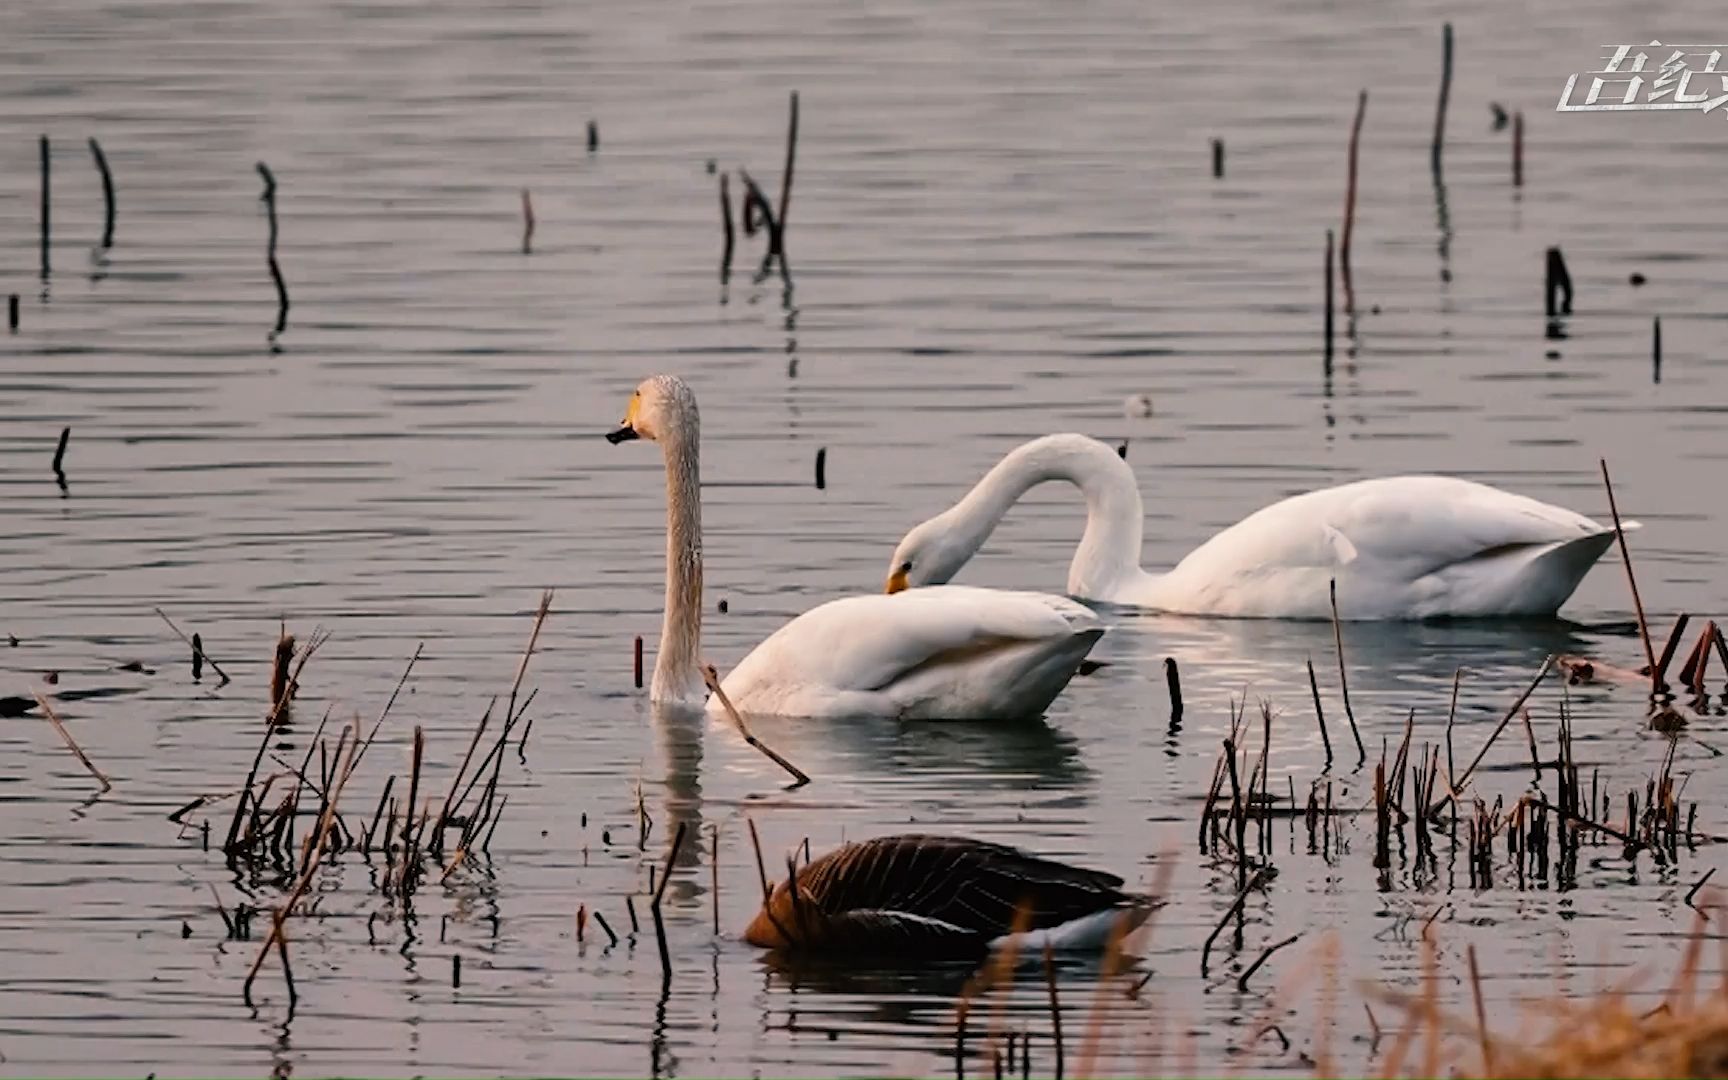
<point x="1557" y="285"/>
<point x="60" y="458"/>
<point x="1217" y="159"/>
<point x="269" y="200"/>
<point x="1439" y="144"/>
<point x="1350" y="201"/>
<point x="47" y="200"/>
<point x="1518" y="150"/>
<point x="107" y="192"/>
<point x="1656" y="686"/>
<point x="527" y="222"/>
<point x="12" y="312"/>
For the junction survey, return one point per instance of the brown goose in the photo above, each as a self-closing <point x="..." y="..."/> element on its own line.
<point x="942" y="895"/>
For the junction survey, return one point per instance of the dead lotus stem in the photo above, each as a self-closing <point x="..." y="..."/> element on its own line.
<point x="71" y="743"/>
<point x="316" y="857"/>
<point x="712" y="678"/>
<point x="1338" y="640"/>
<point x="197" y="647"/>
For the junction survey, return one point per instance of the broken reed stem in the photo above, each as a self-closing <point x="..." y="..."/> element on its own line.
<point x="1673" y="643"/>
<point x="527" y="222"/>
<point x="1350" y="204"/>
<point x="712" y="678"/>
<point x="1451" y="717"/>
<point x="755" y="202"/>
<point x="725" y="252"/>
<point x="660" y="895"/>
<point x="316" y="856"/>
<point x="1217" y="159"/>
<point x="1229" y="913"/>
<point x="761" y="870"/>
<point x="269" y="199"/>
<point x="638" y="661"/>
<point x="1458" y="782"/>
<point x="60" y="457"/>
<point x="1343" y="680"/>
<point x="791" y="160"/>
<point x="46" y="227"/>
<point x="378" y="723"/>
<point x="1518" y="150"/>
<point x="822" y="468"/>
<point x="107" y="191"/>
<point x="1631" y="581"/>
<point x="1173" y="682"/>
<point x="417" y="755"/>
<point x="1434" y="151"/>
<point x="1242" y="983"/>
<point x="71" y="743"/>
<point x="197" y="647"/>
<point x="1319" y="713"/>
<point x="1329" y="300"/>
<point x="714" y="871"/>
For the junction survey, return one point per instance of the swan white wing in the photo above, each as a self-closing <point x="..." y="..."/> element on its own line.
<point x="1415" y="524"/>
<point x="849" y="649"/>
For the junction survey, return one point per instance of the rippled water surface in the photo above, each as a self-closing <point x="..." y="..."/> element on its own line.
<point x="1004" y="223"/>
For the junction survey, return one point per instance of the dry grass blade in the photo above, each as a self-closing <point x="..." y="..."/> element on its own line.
<point x="71" y="743"/>
<point x="316" y="857"/>
<point x="712" y="678"/>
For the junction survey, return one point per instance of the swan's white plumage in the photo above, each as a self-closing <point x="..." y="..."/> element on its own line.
<point x="1399" y="547"/>
<point x="951" y="651"/>
<point x="946" y="653"/>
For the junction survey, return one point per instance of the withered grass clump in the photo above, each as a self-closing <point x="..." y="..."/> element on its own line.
<point x="1606" y="1034"/>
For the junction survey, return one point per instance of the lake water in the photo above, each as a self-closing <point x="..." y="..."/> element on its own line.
<point x="1004" y="223"/>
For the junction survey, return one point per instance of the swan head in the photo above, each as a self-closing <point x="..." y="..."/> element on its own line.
<point x="931" y="554"/>
<point x="662" y="406"/>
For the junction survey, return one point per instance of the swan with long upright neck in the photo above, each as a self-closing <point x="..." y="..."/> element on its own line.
<point x="945" y="653"/>
<point x="1401" y="547"/>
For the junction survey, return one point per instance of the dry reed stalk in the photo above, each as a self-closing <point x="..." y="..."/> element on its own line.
<point x="725" y="255"/>
<point x="1338" y="640"/>
<point x="443" y="818"/>
<point x="1329" y="301"/>
<point x="1055" y="1008"/>
<point x="269" y="200"/>
<point x="196" y="644"/>
<point x="1456" y="783"/>
<point x="527" y="222"/>
<point x="1350" y="206"/>
<point x="1229" y="913"/>
<point x="1242" y="982"/>
<point x="107" y="192"/>
<point x="1518" y="150"/>
<point x="71" y="743"/>
<point x="46" y="230"/>
<point x="316" y="845"/>
<point x="1631" y="581"/>
<point x="1319" y="713"/>
<point x="638" y="661"/>
<point x="714" y="872"/>
<point x="378" y="723"/>
<point x="1439" y="143"/>
<point x="1173" y="683"/>
<point x="612" y="939"/>
<point x="712" y="678"/>
<point x="659" y="896"/>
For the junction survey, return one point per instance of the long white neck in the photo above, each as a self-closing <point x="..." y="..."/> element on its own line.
<point x="1107" y="562"/>
<point x="677" y="666"/>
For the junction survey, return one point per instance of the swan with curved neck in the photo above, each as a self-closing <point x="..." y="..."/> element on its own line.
<point x="951" y="652"/>
<point x="1402" y="547"/>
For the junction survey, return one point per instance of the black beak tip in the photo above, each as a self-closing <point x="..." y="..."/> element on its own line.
<point x="623" y="434"/>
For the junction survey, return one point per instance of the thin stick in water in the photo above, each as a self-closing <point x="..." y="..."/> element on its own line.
<point x="269" y="199"/>
<point x="1457" y="782"/>
<point x="1557" y="280"/>
<point x="791" y="160"/>
<point x="822" y="468"/>
<point x="107" y="191"/>
<point x="46" y="200"/>
<point x="1439" y="143"/>
<point x="1242" y="983"/>
<point x="1173" y="682"/>
<point x="527" y="222"/>
<point x="1329" y="300"/>
<point x="638" y="652"/>
<point x="712" y="678"/>
<point x="1229" y="913"/>
<point x="1656" y="348"/>
<point x="726" y="224"/>
<point x="1055" y="1006"/>
<point x="60" y="457"/>
<point x="197" y="645"/>
<point x="1343" y="680"/>
<point x="71" y="743"/>
<point x="1518" y="150"/>
<point x="12" y="312"/>
<point x="1319" y="713"/>
<point x="1217" y="159"/>
<point x="1350" y="202"/>
<point x="659" y="896"/>
<point x="1631" y="581"/>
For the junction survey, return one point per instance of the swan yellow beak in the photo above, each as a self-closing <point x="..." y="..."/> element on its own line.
<point x="897" y="582"/>
<point x="627" y="427"/>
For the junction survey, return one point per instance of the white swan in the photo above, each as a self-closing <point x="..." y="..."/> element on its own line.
<point x="939" y="654"/>
<point x="1401" y="547"/>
